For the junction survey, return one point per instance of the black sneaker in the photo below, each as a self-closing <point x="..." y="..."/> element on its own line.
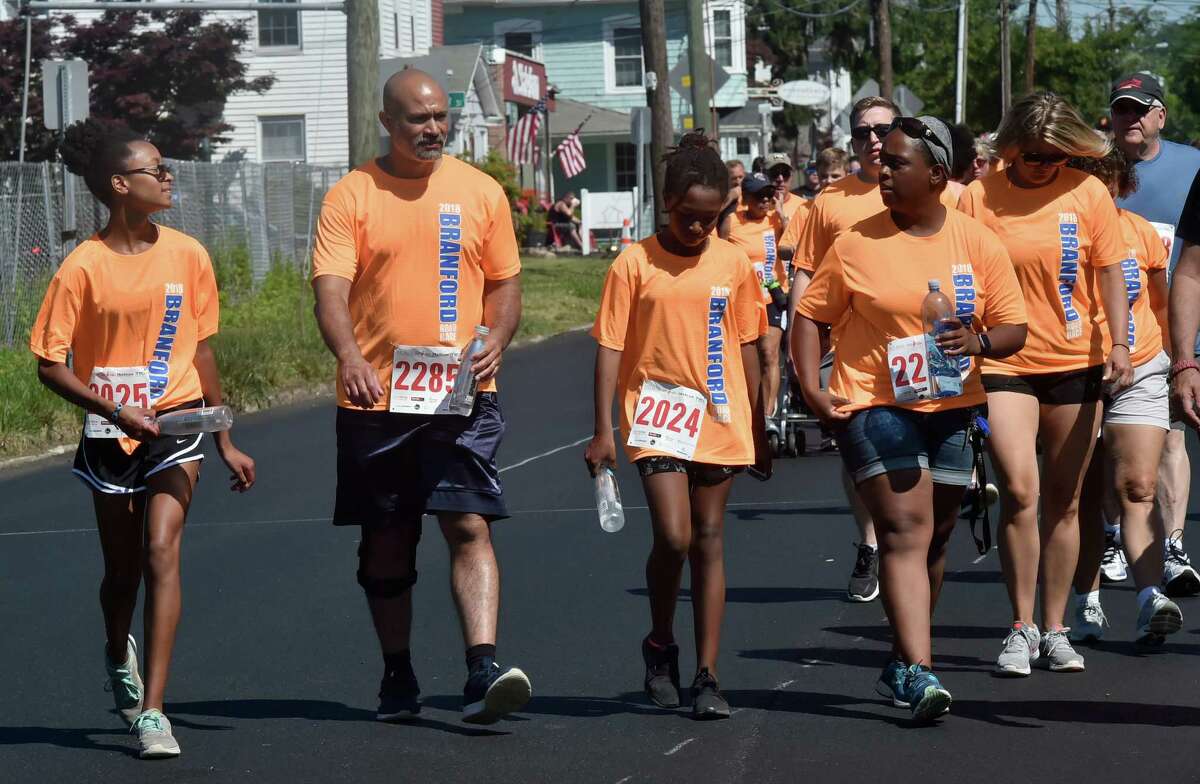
<point x="864" y="580"/>
<point x="399" y="697"/>
<point x="707" y="702"/>
<point x="662" y="674"/>
<point x="492" y="693"/>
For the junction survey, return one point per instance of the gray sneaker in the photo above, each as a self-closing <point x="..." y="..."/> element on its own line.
<point x="1020" y="648"/>
<point x="1159" y="617"/>
<point x="1089" y="621"/>
<point x="154" y="735"/>
<point x="125" y="683"/>
<point x="1058" y="654"/>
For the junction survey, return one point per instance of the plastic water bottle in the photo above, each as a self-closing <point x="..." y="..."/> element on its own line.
<point x="195" y="420"/>
<point x="608" y="501"/>
<point x="461" y="399"/>
<point x="938" y="314"/>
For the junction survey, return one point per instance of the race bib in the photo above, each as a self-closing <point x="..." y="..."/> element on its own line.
<point x="667" y="418"/>
<point x="908" y="366"/>
<point x="422" y="378"/>
<point x="1166" y="233"/>
<point x="129" y="386"/>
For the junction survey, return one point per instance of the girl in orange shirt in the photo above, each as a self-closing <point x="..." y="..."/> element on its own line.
<point x="1062" y="231"/>
<point x="677" y="326"/>
<point x="134" y="306"/>
<point x="908" y="450"/>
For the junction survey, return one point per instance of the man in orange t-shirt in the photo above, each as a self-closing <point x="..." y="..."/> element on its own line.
<point x="414" y="251"/>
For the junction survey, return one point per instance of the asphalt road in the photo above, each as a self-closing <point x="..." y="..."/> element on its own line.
<point x="276" y="666"/>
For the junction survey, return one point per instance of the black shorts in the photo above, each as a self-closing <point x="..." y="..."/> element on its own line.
<point x="774" y="315"/>
<point x="393" y="468"/>
<point x="702" y="474"/>
<point x="103" y="466"/>
<point x="1071" y="387"/>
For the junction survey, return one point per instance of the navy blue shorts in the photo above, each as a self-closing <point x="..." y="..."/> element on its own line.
<point x="393" y="468"/>
<point x="885" y="439"/>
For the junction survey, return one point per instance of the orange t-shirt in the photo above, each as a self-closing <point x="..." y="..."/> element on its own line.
<point x="791" y="235"/>
<point x="1057" y="236"/>
<point x="872" y="283"/>
<point x="837" y="207"/>
<point x="683" y="320"/>
<point x="418" y="253"/>
<point x="760" y="241"/>
<point x="149" y="309"/>
<point x="1144" y="253"/>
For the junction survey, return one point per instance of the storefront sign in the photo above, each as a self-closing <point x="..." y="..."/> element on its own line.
<point x="524" y="80"/>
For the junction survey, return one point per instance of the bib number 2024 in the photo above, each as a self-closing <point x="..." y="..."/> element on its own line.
<point x="667" y="418"/>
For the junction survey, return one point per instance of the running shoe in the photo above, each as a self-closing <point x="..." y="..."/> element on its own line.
<point x="926" y="696"/>
<point x="662" y="674"/>
<point x="891" y="683"/>
<point x="864" y="580"/>
<point x="125" y="683"/>
<point x="1179" y="578"/>
<point x="1020" y="649"/>
<point x="1113" y="567"/>
<point x="492" y="693"/>
<point x="155" y="740"/>
<point x="1089" y="621"/>
<point x="707" y="702"/>
<point x="1159" y="617"/>
<point x="399" y="696"/>
<point x="1057" y="653"/>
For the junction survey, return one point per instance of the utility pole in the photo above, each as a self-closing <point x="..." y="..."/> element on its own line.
<point x="699" y="71"/>
<point x="658" y="97"/>
<point x="883" y="23"/>
<point x="960" y="66"/>
<point x="1005" y="61"/>
<point x="1112" y="16"/>
<point x="362" y="79"/>
<point x="1062" y="17"/>
<point x="1030" y="44"/>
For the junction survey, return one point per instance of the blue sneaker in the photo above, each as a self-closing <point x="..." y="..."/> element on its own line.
<point x="926" y="696"/>
<point x="891" y="683"/>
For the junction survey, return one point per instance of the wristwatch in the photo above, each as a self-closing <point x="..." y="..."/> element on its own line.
<point x="116" y="413"/>
<point x="1182" y="365"/>
<point x="985" y="343"/>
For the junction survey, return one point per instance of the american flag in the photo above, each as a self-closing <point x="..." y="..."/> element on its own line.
<point x="570" y="154"/>
<point x="522" y="138"/>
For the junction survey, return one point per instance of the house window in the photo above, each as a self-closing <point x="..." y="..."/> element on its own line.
<point x="626" y="168"/>
<point x="722" y="37"/>
<point x="279" y="28"/>
<point x="627" y="57"/>
<point x="521" y="43"/>
<point x="523" y="36"/>
<point x="282" y="138"/>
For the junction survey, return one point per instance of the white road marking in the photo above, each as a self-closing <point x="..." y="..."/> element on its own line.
<point x="678" y="746"/>
<point x="556" y="449"/>
<point x="622" y="781"/>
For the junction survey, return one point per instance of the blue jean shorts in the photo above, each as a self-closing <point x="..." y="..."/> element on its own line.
<point x="885" y="439"/>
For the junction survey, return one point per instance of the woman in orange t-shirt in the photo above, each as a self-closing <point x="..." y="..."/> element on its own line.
<point x="903" y="436"/>
<point x="678" y="322"/>
<point x="1121" y="483"/>
<point x="1064" y="237"/>
<point x="134" y="306"/>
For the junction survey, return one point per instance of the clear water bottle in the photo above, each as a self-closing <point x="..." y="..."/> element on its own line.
<point x="608" y="501"/>
<point x="461" y="399"/>
<point x="191" y="421"/>
<point x="937" y="311"/>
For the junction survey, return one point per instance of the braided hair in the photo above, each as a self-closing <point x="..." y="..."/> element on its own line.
<point x="695" y="161"/>
<point x="96" y="150"/>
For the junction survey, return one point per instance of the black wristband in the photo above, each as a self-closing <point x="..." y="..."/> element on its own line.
<point x="985" y="344"/>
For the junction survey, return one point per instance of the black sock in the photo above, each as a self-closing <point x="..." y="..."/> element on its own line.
<point x="477" y="655"/>
<point x="398" y="663"/>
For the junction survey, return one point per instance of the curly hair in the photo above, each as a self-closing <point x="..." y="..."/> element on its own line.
<point x="1046" y="117"/>
<point x="695" y="161"/>
<point x="96" y="150"/>
<point x="1115" y="170"/>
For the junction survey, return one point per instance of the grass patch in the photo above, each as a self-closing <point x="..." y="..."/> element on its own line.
<point x="269" y="349"/>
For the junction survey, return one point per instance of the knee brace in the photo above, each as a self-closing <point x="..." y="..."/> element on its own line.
<point x="386" y="587"/>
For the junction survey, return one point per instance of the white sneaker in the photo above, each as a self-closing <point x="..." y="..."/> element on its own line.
<point x="1158" y="617"/>
<point x="1113" y="567"/>
<point x="1179" y="578"/>
<point x="154" y="735"/>
<point x="1021" y="647"/>
<point x="1089" y="621"/>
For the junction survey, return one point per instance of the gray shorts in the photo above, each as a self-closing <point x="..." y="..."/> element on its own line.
<point x="1147" y="400"/>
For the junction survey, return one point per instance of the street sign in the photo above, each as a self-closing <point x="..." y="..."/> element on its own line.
<point x="458" y="100"/>
<point x="804" y="92"/>
<point x="910" y="105"/>
<point x="64" y="93"/>
<point x="680" y="77"/>
<point x="639" y="125"/>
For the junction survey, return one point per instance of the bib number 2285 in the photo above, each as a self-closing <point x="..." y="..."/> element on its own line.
<point x="422" y="377"/>
<point x="129" y="386"/>
<point x="667" y="418"/>
<point x="907" y="364"/>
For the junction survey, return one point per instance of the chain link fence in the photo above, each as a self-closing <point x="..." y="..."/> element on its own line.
<point x="268" y="209"/>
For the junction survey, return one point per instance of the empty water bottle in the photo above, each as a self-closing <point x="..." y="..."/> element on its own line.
<point x="190" y="421"/>
<point x="461" y="399"/>
<point x="608" y="501"/>
<point x="938" y="314"/>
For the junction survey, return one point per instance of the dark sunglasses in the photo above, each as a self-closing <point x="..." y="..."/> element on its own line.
<point x="863" y="132"/>
<point x="1038" y="159"/>
<point x="159" y="172"/>
<point x="915" y="129"/>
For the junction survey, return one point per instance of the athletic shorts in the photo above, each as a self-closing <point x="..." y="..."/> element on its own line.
<point x="393" y="468"/>
<point x="776" y="316"/>
<point x="102" y="465"/>
<point x="698" y="474"/>
<point x="1147" y="400"/>
<point x="1070" y="387"/>
<point x="887" y="439"/>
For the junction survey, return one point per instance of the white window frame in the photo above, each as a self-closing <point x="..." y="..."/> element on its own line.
<point x="303" y="120"/>
<point x="737" y="31"/>
<point x="533" y="26"/>
<point x="269" y="49"/>
<point x="609" y="25"/>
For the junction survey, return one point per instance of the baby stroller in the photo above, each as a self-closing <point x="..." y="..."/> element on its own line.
<point x="787" y="427"/>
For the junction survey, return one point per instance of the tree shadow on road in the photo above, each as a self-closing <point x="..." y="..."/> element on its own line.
<point x="1011" y="713"/>
<point x="882" y="633"/>
<point x="871" y="659"/>
<point x="765" y="595"/>
<point x="583" y="707"/>
<point x="67" y="738"/>
<point x="313" y="710"/>
<point x="753" y="513"/>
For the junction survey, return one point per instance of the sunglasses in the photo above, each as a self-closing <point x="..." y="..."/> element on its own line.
<point x="915" y="129"/>
<point x="863" y="132"/>
<point x="160" y="172"/>
<point x="1040" y="159"/>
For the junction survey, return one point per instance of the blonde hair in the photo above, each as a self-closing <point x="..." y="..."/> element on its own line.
<point x="863" y="105"/>
<point x="1045" y="117"/>
<point x="831" y="158"/>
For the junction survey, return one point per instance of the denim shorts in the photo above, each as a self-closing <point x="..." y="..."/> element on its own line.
<point x="885" y="439"/>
